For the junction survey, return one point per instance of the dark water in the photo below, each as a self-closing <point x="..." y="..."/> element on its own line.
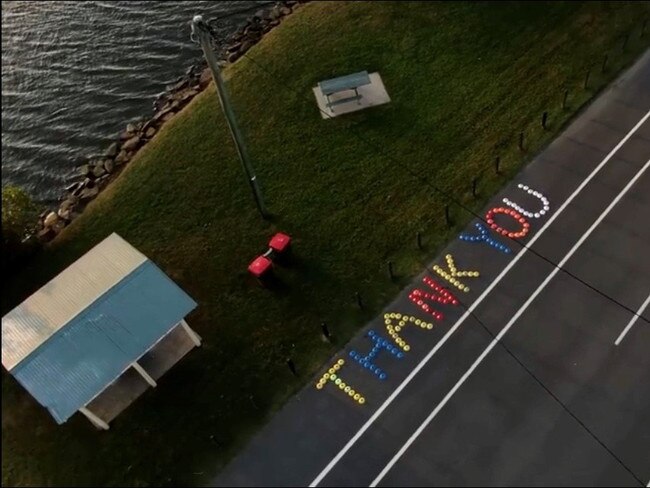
<point x="74" y="73"/>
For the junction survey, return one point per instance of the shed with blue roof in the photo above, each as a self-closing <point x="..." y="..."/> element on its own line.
<point x="99" y="334"/>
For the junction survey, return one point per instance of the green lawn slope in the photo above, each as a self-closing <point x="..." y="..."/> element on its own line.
<point x="465" y="79"/>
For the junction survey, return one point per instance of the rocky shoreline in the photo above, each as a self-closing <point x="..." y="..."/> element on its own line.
<point x="99" y="171"/>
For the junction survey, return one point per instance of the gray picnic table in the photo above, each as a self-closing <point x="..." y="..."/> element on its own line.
<point x="344" y="83"/>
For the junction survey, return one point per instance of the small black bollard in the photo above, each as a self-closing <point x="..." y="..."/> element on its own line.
<point x="292" y="366"/>
<point x="544" y="119"/>
<point x="326" y="331"/>
<point x="252" y="399"/>
<point x="566" y="95"/>
<point x="626" y="38"/>
<point x="391" y="275"/>
<point x="448" y="217"/>
<point x="358" y="296"/>
<point x="604" y="66"/>
<point x="521" y="141"/>
<point x="418" y="240"/>
<point x="587" y="79"/>
<point x="497" y="162"/>
<point x="474" y="185"/>
<point x="643" y="26"/>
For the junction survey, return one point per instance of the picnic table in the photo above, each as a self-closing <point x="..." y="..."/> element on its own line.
<point x="344" y="83"/>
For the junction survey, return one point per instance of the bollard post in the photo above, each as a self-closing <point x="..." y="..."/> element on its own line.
<point x="358" y="296"/>
<point x="566" y="94"/>
<point x="448" y="217"/>
<point x="497" y="162"/>
<point x="521" y="141"/>
<point x="391" y="274"/>
<point x="544" y="119"/>
<point x="587" y="78"/>
<point x="418" y="240"/>
<point x="292" y="366"/>
<point x="474" y="185"/>
<point x="626" y="38"/>
<point x="252" y="399"/>
<point x="643" y="26"/>
<point x="604" y="66"/>
<point x="326" y="331"/>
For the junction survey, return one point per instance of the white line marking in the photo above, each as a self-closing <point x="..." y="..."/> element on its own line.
<point x="632" y="321"/>
<point x="505" y="330"/>
<point x="444" y="339"/>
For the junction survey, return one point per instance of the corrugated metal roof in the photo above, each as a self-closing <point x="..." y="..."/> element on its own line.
<point x="90" y="352"/>
<point x="35" y="320"/>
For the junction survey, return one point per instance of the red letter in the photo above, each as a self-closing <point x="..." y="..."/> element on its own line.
<point x="525" y="226"/>
<point x="440" y="295"/>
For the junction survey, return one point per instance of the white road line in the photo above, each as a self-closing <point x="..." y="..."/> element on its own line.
<point x="458" y="323"/>
<point x="632" y="321"/>
<point x="507" y="327"/>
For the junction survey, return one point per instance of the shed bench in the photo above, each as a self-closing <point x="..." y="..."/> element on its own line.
<point x="344" y="83"/>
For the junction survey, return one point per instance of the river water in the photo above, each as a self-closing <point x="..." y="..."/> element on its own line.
<point x="74" y="73"/>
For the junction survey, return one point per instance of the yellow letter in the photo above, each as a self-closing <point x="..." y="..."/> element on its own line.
<point x="454" y="273"/>
<point x="404" y="320"/>
<point x="332" y="375"/>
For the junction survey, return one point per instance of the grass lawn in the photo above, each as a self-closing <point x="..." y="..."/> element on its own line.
<point x="464" y="78"/>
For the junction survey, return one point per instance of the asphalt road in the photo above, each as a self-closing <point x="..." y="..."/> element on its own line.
<point x="528" y="387"/>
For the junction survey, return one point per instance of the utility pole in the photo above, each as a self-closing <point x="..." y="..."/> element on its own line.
<point x="201" y="30"/>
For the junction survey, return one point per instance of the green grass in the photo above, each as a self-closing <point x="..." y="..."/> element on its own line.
<point x="464" y="78"/>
